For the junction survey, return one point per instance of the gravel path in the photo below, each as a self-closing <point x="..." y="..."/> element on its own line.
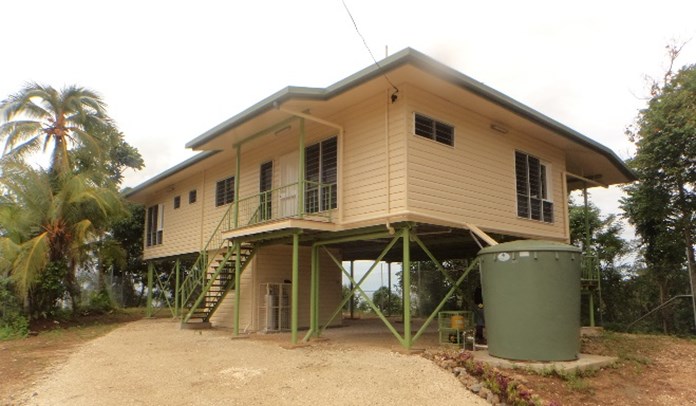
<point x="153" y="362"/>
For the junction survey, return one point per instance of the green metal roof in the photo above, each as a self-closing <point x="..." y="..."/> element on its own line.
<point x="420" y="60"/>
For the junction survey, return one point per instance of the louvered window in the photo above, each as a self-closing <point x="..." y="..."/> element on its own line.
<point x="224" y="191"/>
<point x="533" y="201"/>
<point x="154" y="225"/>
<point x="433" y="129"/>
<point x="321" y="161"/>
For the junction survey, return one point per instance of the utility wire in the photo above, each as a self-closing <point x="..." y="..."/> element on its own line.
<point x="370" y="51"/>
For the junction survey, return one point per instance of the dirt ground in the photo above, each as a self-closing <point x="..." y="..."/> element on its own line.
<point x="154" y="362"/>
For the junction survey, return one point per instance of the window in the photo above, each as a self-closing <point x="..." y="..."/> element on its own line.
<point x="321" y="161"/>
<point x="154" y="225"/>
<point x="533" y="201"/>
<point x="192" y="196"/>
<point x="265" y="186"/>
<point x="433" y="129"/>
<point x="177" y="202"/>
<point x="224" y="191"/>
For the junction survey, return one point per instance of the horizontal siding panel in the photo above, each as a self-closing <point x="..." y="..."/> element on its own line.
<point x="474" y="180"/>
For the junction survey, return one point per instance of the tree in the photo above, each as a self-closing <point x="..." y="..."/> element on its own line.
<point x="605" y="244"/>
<point x="38" y="116"/>
<point x="48" y="220"/>
<point x="387" y="302"/>
<point x="662" y="204"/>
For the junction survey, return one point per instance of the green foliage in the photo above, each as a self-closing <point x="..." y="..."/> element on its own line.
<point x="38" y="116"/>
<point x="662" y="204"/>
<point x="99" y="302"/>
<point x="13" y="324"/>
<point x="56" y="222"/>
<point x="387" y="302"/>
<point x="46" y="292"/>
<point x="430" y="286"/>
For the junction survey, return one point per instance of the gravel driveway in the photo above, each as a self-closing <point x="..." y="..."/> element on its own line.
<point x="153" y="362"/>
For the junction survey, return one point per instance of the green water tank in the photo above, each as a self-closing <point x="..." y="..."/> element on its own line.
<point x="531" y="296"/>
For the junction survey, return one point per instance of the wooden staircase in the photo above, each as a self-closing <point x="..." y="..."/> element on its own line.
<point x="219" y="279"/>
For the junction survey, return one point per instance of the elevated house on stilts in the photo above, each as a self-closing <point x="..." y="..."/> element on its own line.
<point x="427" y="165"/>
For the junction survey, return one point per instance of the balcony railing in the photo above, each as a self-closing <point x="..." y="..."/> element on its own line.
<point x="283" y="202"/>
<point x="590" y="269"/>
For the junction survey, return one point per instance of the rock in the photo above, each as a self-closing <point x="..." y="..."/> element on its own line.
<point x="458" y="370"/>
<point x="476" y="388"/>
<point x="484" y="392"/>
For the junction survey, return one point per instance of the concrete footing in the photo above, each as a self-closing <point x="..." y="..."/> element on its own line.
<point x="585" y="362"/>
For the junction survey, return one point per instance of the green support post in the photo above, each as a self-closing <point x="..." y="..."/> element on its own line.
<point x="317" y="266"/>
<point x="236" y="185"/>
<point x="592" y="321"/>
<point x="352" y="295"/>
<point x="177" y="288"/>
<point x="406" y="272"/>
<point x="237" y="282"/>
<point x="295" y="286"/>
<point x="588" y="240"/>
<point x="301" y="175"/>
<point x="312" y="297"/>
<point x="150" y="280"/>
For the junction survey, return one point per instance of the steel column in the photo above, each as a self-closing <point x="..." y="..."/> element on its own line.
<point x="150" y="272"/>
<point x="301" y="175"/>
<point x="237" y="282"/>
<point x="236" y="185"/>
<point x="406" y="272"/>
<point x="295" y="286"/>
<point x="177" y="299"/>
<point x="352" y="296"/>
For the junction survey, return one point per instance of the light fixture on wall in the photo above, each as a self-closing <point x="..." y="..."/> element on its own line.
<point x="499" y="128"/>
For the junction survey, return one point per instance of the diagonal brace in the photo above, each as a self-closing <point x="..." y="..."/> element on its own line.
<point x="447" y="296"/>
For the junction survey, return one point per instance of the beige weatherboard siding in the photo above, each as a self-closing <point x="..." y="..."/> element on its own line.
<point x="389" y="179"/>
<point x="474" y="180"/>
<point x="271" y="266"/>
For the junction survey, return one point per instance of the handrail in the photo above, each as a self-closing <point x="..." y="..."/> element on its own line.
<point x="656" y="309"/>
<point x="589" y="268"/>
<point x="281" y="202"/>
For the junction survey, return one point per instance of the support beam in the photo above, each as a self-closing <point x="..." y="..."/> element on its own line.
<point x="237" y="281"/>
<point x="177" y="289"/>
<point x="313" y="289"/>
<point x="444" y="300"/>
<point x="406" y="272"/>
<point x="236" y="185"/>
<point x="317" y="285"/>
<point x="367" y="299"/>
<point x="352" y="296"/>
<point x="301" y="176"/>
<point x="295" y="287"/>
<point x="357" y="285"/>
<point x="150" y="278"/>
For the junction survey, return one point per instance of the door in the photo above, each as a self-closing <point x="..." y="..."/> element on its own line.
<point x="265" y="196"/>
<point x="288" y="184"/>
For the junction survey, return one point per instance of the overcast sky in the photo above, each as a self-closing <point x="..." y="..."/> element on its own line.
<point x="170" y="70"/>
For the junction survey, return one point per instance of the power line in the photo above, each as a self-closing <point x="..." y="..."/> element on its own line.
<point x="394" y="95"/>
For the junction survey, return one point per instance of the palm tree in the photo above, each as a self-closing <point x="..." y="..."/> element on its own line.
<point x="40" y="116"/>
<point x="47" y="219"/>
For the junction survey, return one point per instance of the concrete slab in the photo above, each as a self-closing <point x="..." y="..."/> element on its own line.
<point x="585" y="362"/>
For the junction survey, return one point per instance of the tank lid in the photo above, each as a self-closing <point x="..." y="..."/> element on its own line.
<point x="529" y="245"/>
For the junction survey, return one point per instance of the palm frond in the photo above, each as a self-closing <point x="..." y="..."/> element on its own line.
<point x="31" y="259"/>
<point x="9" y="250"/>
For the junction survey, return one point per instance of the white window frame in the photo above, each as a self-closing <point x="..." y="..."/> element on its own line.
<point x="435" y="120"/>
<point x="546" y="186"/>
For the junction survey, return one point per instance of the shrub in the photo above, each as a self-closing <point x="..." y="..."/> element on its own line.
<point x="13" y="324"/>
